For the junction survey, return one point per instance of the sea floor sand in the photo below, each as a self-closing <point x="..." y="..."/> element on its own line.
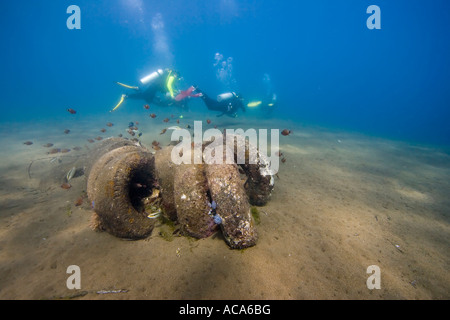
<point x="342" y="202"/>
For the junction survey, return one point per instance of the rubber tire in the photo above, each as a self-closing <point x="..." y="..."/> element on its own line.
<point x="108" y="188"/>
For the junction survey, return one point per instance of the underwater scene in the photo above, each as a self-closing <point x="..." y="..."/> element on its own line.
<point x="225" y="150"/>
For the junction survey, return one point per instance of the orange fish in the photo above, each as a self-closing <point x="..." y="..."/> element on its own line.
<point x="153" y="115"/>
<point x="78" y="202"/>
<point x="286" y="132"/>
<point x="146" y="107"/>
<point x="208" y="121"/>
<point x="54" y="150"/>
<point x="71" y="111"/>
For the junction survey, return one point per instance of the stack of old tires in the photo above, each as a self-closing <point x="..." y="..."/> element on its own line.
<point x="121" y="174"/>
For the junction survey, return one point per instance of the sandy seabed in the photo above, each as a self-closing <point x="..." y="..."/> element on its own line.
<point x="342" y="202"/>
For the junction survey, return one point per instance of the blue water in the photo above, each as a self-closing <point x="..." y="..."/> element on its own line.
<point x="326" y="67"/>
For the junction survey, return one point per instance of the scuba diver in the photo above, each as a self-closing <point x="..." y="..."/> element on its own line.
<point x="269" y="103"/>
<point x="159" y="81"/>
<point x="228" y="103"/>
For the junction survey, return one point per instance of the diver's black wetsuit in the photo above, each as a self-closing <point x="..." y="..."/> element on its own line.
<point x="227" y="106"/>
<point x="149" y="94"/>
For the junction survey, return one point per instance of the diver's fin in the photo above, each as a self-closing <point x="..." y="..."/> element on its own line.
<point x="127" y="86"/>
<point x="122" y="99"/>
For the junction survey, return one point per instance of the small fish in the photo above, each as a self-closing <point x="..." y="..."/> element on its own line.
<point x="208" y="121"/>
<point x="66" y="131"/>
<point x="188" y="126"/>
<point x="76" y="148"/>
<point x="131" y="132"/>
<point x="154" y="215"/>
<point x="163" y="131"/>
<point x="103" y="130"/>
<point x="131" y="124"/>
<point x="70" y="174"/>
<point x="157" y="147"/>
<point x="286" y="132"/>
<point x="64" y="150"/>
<point x="166" y="120"/>
<point x="109" y="124"/>
<point x="137" y="123"/>
<point x="178" y="121"/>
<point x="71" y="111"/>
<point x="120" y="135"/>
<point x="66" y="186"/>
<point x="48" y="145"/>
<point x="153" y="115"/>
<point x="146" y="107"/>
<point x="283" y="160"/>
<point x="98" y="138"/>
<point x="54" y="150"/>
<point x="155" y="143"/>
<point x="78" y="202"/>
<point x="90" y="140"/>
<point x="28" y="143"/>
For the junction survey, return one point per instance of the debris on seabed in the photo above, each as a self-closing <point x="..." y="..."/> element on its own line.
<point x="112" y="291"/>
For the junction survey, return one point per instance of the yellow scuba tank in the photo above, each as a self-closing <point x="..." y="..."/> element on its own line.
<point x="152" y="76"/>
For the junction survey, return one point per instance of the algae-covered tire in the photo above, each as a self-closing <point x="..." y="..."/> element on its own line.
<point x="191" y="200"/>
<point x="102" y="148"/>
<point x="232" y="206"/>
<point x="117" y="183"/>
<point x="260" y="182"/>
<point x="165" y="172"/>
